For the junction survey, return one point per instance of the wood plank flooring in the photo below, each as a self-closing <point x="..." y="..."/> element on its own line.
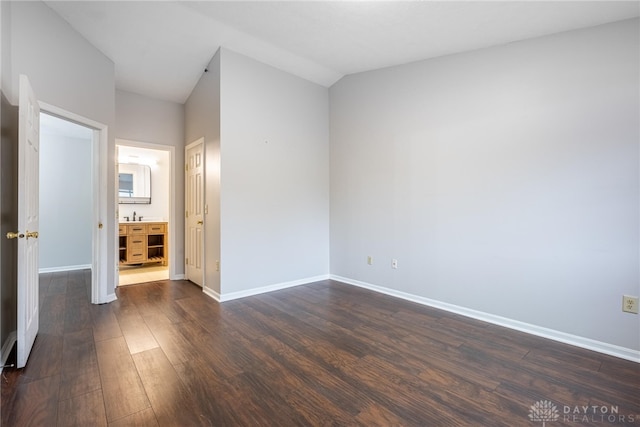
<point x="164" y="354"/>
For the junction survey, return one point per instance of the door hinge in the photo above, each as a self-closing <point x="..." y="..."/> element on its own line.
<point x="186" y="214"/>
<point x="186" y="261"/>
<point x="186" y="167"/>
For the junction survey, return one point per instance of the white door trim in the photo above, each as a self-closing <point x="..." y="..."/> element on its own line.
<point x="100" y="216"/>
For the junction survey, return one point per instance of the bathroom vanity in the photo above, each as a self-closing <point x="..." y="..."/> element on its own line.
<point x="143" y="242"/>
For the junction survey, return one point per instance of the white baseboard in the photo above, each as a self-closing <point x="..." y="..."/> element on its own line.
<point x="269" y="288"/>
<point x="575" y="340"/>
<point x="177" y="277"/>
<point x="6" y="348"/>
<point x="109" y="298"/>
<point x="211" y="293"/>
<point x="65" y="268"/>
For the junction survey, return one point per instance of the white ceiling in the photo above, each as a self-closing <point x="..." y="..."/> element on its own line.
<point x="160" y="48"/>
<point x="146" y="156"/>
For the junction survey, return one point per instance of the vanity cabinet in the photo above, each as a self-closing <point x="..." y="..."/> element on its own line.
<point x="143" y="242"/>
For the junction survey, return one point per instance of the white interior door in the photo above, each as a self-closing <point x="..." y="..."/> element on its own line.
<point x="194" y="193"/>
<point x="117" y="187"/>
<point x="28" y="175"/>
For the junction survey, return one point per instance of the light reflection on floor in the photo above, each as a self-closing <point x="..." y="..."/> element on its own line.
<point x="146" y="273"/>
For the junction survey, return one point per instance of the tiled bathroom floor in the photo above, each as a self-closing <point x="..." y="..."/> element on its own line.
<point x="151" y="273"/>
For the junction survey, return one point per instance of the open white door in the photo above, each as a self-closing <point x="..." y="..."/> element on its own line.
<point x="117" y="187"/>
<point x="28" y="175"/>
<point x="194" y="221"/>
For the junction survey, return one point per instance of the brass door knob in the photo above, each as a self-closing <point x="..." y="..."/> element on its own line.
<point x="16" y="235"/>
<point x="33" y="234"/>
<point x="199" y="222"/>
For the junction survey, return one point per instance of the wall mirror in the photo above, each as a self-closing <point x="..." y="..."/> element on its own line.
<point x="134" y="183"/>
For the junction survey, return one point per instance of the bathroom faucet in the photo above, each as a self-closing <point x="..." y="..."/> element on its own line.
<point x="134" y="215"/>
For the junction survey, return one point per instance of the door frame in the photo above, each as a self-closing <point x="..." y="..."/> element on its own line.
<point x="99" y="151"/>
<point x="172" y="205"/>
<point x="199" y="141"/>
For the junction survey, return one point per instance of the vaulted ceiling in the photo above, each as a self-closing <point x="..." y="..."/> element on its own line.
<point x="160" y="48"/>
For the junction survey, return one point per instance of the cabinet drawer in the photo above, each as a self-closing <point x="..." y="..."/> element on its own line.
<point x="156" y="228"/>
<point x="137" y="248"/>
<point x="122" y="229"/>
<point x="137" y="241"/>
<point x="137" y="229"/>
<point x="136" y="256"/>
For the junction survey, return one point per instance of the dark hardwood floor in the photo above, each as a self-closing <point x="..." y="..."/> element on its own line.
<point x="320" y="354"/>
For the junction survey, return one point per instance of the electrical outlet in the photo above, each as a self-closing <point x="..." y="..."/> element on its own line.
<point x="630" y="304"/>
<point x="394" y="263"/>
<point x="370" y="260"/>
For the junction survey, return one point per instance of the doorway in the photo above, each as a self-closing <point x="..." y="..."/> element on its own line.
<point x="98" y="149"/>
<point x="145" y="212"/>
<point x="66" y="195"/>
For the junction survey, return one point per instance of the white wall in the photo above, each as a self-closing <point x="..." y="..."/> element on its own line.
<point x="144" y="119"/>
<point x="152" y="121"/>
<point x="5" y="45"/>
<point x="274" y="176"/>
<point x="504" y="180"/>
<point x="3" y="42"/>
<point x="66" y="202"/>
<point x="68" y="72"/>
<point x="202" y="120"/>
<point x="266" y="138"/>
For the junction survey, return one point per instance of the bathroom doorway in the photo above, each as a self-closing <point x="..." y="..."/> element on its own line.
<point x="144" y="174"/>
